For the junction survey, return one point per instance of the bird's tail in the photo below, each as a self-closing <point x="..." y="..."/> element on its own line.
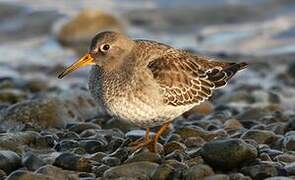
<point x="229" y="70"/>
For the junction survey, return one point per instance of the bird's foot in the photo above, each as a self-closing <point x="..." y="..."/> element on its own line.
<point x="141" y="143"/>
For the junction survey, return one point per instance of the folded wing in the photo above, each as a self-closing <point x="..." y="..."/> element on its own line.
<point x="190" y="79"/>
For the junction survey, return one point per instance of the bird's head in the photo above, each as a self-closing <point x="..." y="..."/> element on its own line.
<point x="107" y="50"/>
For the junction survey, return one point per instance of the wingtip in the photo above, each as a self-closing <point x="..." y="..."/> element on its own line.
<point x="243" y="65"/>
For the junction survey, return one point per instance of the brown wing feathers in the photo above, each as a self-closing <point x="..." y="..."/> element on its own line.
<point x="190" y="80"/>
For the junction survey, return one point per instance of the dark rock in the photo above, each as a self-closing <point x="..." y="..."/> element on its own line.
<point x="25" y="175"/>
<point x="82" y="126"/>
<point x="2" y="174"/>
<point x="164" y="171"/>
<point x="144" y="155"/>
<point x="198" y="172"/>
<point x="253" y="114"/>
<point x="290" y="168"/>
<point x="287" y="158"/>
<point x="38" y="113"/>
<point x="93" y="146"/>
<point x="32" y="162"/>
<point x="115" y="143"/>
<point x="124" y="126"/>
<point x="17" y="141"/>
<point x="228" y="153"/>
<point x="57" y="173"/>
<point x="9" y="161"/>
<point x="137" y="170"/>
<point x="12" y="96"/>
<point x="136" y="134"/>
<point x="260" y="136"/>
<point x="279" y="178"/>
<point x="74" y="162"/>
<point x="36" y="85"/>
<point x="262" y="171"/>
<point x="195" y="142"/>
<point x="68" y="135"/>
<point x="47" y="141"/>
<point x="232" y="124"/>
<point x="194" y="161"/>
<point x="121" y="153"/>
<point x="111" y="161"/>
<point x="173" y="137"/>
<point x="99" y="171"/>
<point x="291" y="124"/>
<point x="177" y="155"/>
<point x="66" y="145"/>
<point x="238" y="176"/>
<point x="199" y="132"/>
<point x="172" y="146"/>
<point x="97" y="156"/>
<point x="217" y="177"/>
<point x="178" y="167"/>
<point x="277" y="128"/>
<point x="289" y="141"/>
<point x="264" y="157"/>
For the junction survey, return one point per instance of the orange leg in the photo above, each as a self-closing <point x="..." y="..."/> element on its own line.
<point x="142" y="142"/>
<point x="153" y="143"/>
<point x="147" y="142"/>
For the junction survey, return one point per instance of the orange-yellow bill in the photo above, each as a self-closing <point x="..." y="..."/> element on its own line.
<point x="84" y="61"/>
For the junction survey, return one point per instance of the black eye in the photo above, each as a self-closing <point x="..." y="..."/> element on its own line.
<point x="105" y="47"/>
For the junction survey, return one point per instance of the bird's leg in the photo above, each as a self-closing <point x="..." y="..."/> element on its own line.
<point x="142" y="142"/>
<point x="152" y="144"/>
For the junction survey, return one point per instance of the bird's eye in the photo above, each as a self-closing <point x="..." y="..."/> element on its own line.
<point x="104" y="47"/>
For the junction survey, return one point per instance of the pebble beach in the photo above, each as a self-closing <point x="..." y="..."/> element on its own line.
<point x="53" y="129"/>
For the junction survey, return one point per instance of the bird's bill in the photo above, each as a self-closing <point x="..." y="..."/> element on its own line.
<point x="87" y="59"/>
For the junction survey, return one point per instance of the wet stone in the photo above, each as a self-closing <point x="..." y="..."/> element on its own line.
<point x="66" y="145"/>
<point x="72" y="161"/>
<point x="287" y="158"/>
<point x="164" y="171"/>
<point x="174" y="145"/>
<point x="9" y="161"/>
<point x="57" y="173"/>
<point x="144" y="155"/>
<point x="24" y="175"/>
<point x="239" y="176"/>
<point x="217" y="177"/>
<point x="2" y="174"/>
<point x="137" y="170"/>
<point x="195" y="142"/>
<point x="199" y="132"/>
<point x="111" y="161"/>
<point x="260" y="136"/>
<point x="177" y="155"/>
<point x="68" y="135"/>
<point x="47" y="141"/>
<point x="262" y="171"/>
<point x="136" y="134"/>
<point x="228" y="153"/>
<point x="289" y="141"/>
<point x="32" y="162"/>
<point x="99" y="170"/>
<point x="82" y="126"/>
<point x="290" y="168"/>
<point x="96" y="156"/>
<point x="93" y="146"/>
<point x="198" y="172"/>
<point x="12" y="96"/>
<point x="121" y="153"/>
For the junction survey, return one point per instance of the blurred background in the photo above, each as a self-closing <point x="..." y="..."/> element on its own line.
<point x="38" y="39"/>
<point x="49" y="116"/>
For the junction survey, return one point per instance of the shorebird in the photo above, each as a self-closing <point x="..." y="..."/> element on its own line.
<point x="149" y="83"/>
